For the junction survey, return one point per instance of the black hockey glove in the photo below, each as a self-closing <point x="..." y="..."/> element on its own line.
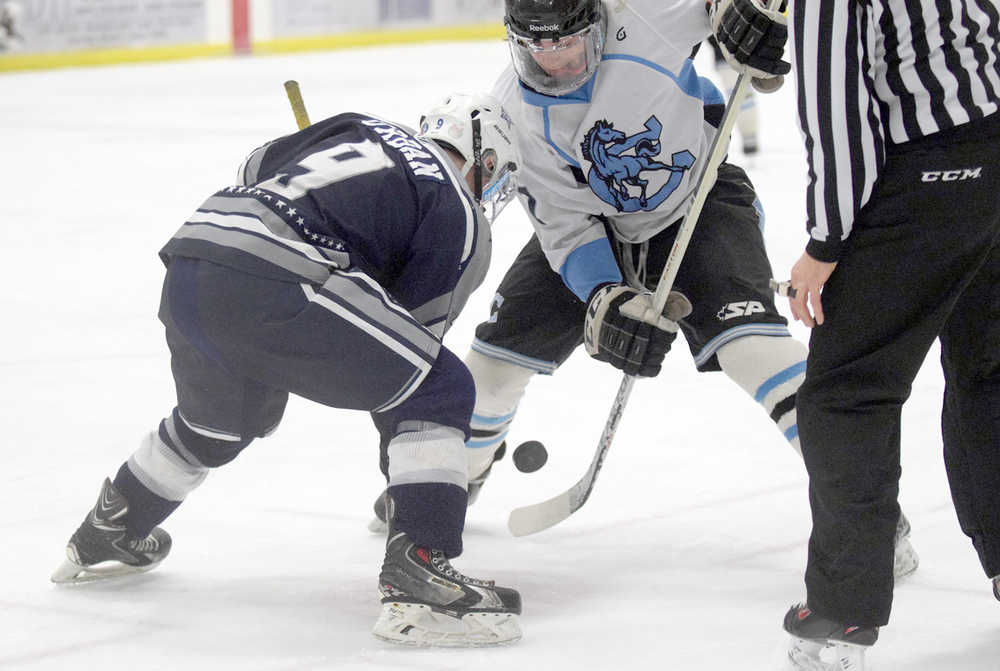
<point x="751" y="37"/>
<point x="614" y="331"/>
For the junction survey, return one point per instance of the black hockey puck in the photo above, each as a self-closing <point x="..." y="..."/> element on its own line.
<point x="767" y="85"/>
<point x="530" y="456"/>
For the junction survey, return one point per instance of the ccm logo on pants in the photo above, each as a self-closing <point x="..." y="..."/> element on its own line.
<point x="950" y="175"/>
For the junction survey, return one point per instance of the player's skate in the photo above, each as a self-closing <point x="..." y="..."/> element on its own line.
<point x="102" y="548"/>
<point x="905" y="559"/>
<point x="426" y="602"/>
<point x="379" y="525"/>
<point x="819" y="644"/>
<point x="996" y="587"/>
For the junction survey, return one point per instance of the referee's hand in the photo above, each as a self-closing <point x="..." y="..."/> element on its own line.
<point x="807" y="278"/>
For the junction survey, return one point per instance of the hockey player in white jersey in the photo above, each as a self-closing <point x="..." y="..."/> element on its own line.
<point x="615" y="126"/>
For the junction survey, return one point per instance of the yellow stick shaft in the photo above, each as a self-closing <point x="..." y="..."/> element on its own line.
<point x="295" y="100"/>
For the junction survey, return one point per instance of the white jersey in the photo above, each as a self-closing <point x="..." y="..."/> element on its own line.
<point x="627" y="147"/>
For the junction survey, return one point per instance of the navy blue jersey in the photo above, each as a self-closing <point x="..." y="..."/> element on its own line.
<point x="352" y="191"/>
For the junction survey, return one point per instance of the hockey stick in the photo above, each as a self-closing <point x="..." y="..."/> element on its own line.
<point x="539" y="516"/>
<point x="298" y="106"/>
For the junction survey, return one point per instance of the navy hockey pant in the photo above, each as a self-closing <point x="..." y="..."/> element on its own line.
<point x="922" y="262"/>
<point x="240" y="344"/>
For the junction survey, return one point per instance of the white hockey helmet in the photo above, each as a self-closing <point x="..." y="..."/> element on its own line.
<point x="478" y="128"/>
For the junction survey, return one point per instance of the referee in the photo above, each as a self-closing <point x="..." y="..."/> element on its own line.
<point x="897" y="101"/>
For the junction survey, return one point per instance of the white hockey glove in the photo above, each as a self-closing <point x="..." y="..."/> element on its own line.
<point x="752" y="38"/>
<point x="614" y="331"/>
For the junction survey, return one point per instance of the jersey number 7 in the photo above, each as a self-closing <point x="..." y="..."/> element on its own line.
<point x="327" y="167"/>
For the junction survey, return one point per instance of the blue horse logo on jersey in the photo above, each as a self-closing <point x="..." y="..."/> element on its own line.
<point x="612" y="171"/>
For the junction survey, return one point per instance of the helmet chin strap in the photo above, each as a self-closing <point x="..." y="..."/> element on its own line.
<point x="477" y="158"/>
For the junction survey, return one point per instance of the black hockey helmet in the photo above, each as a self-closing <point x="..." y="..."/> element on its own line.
<point x="555" y="45"/>
<point x="550" y="19"/>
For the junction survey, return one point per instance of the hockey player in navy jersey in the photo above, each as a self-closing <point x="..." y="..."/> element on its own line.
<point x="614" y="128"/>
<point x="331" y="271"/>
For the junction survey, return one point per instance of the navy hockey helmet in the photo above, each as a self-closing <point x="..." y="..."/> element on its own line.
<point x="478" y="128"/>
<point x="555" y="45"/>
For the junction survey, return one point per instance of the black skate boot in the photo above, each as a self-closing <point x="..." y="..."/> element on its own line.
<point x="996" y="587"/>
<point x="379" y="525"/>
<point x="101" y="548"/>
<point x="905" y="559"/>
<point x="820" y="644"/>
<point x="426" y="602"/>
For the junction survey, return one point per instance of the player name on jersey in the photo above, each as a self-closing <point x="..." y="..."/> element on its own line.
<point x="410" y="148"/>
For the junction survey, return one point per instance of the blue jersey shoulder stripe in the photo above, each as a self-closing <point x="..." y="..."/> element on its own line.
<point x="688" y="80"/>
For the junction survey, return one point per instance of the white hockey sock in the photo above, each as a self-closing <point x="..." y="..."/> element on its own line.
<point x="425" y="452"/>
<point x="163" y="471"/>
<point x="499" y="388"/>
<point x="770" y="369"/>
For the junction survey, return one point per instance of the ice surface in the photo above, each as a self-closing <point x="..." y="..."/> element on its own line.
<point x="685" y="558"/>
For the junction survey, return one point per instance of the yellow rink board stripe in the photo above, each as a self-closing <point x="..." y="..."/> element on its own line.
<point x="89" y="57"/>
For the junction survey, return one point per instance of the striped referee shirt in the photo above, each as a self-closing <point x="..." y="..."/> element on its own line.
<point x="874" y="73"/>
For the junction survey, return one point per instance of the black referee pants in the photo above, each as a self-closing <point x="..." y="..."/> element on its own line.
<point x="922" y="262"/>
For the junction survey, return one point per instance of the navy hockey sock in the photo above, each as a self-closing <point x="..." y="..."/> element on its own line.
<point x="145" y="509"/>
<point x="432" y="514"/>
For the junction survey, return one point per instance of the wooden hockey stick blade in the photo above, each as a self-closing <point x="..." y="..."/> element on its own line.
<point x="539" y="516"/>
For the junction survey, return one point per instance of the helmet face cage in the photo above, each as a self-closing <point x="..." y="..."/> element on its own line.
<point x="556" y="67"/>
<point x="555" y="45"/>
<point x="478" y="128"/>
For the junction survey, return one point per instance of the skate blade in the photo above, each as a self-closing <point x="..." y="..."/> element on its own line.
<point x="377" y="526"/>
<point x="420" y="625"/>
<point x="806" y="655"/>
<point x="71" y="573"/>
<point x="904" y="560"/>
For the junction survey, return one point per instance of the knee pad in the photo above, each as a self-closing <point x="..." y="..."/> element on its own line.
<point x="200" y="445"/>
<point x="445" y="397"/>
<point x="770" y="369"/>
<point x="499" y="384"/>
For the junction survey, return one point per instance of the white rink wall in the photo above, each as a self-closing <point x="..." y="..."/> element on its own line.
<point x="56" y="33"/>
